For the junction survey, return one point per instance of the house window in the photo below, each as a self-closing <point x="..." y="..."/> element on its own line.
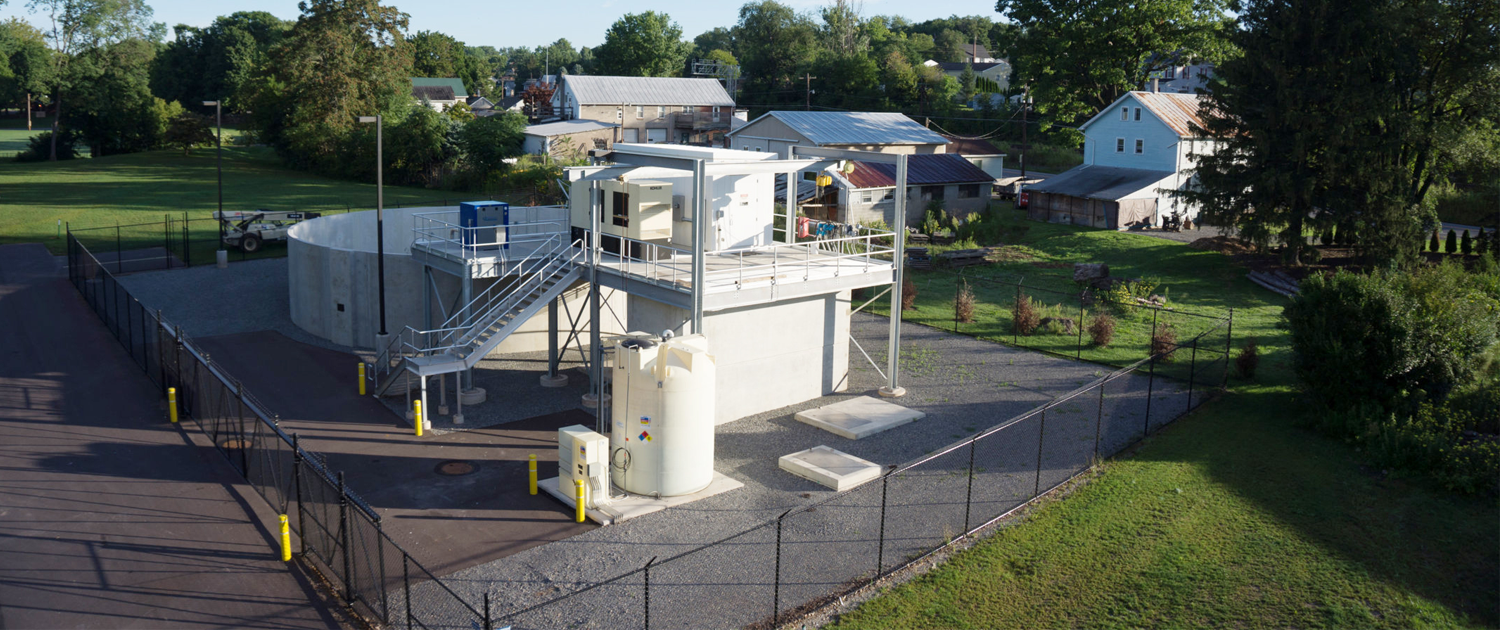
<point x="687" y="109"/>
<point x="1140" y="145"/>
<point x="968" y="191"/>
<point x="932" y="193"/>
<point x="890" y="193"/>
<point x="640" y="111"/>
<point x="866" y="197"/>
<point x="1119" y="145"/>
<point x="716" y="113"/>
<point x="1137" y="113"/>
<point x="661" y="111"/>
<point x="1124" y="113"/>
<point x="621" y="209"/>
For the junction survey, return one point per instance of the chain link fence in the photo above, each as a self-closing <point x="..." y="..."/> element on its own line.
<point x="340" y="535"/>
<point x="762" y="577"/>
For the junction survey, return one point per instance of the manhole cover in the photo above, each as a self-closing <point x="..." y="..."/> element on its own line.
<point x="234" y="445"/>
<point x="456" y="468"/>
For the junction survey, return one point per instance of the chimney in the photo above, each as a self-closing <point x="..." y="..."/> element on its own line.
<point x="1155" y="85"/>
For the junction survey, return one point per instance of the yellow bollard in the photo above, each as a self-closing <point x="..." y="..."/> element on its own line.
<point x="172" y="403"/>
<point x="361" y="378"/>
<point x="286" y="540"/>
<point x="531" y="473"/>
<point x="579" y="484"/>
<point x="416" y="415"/>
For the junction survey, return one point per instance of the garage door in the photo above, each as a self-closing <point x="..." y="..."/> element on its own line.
<point x="632" y="135"/>
<point x="654" y="136"/>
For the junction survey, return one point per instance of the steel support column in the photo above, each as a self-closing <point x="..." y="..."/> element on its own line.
<point x="893" y="386"/>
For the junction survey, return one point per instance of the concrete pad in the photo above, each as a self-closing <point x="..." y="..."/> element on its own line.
<point x="629" y="506"/>
<point x="859" y="417"/>
<point x="828" y="467"/>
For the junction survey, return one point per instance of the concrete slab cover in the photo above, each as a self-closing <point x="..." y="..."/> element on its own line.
<point x="629" y="506"/>
<point x="828" y="467"/>
<point x="859" y="417"/>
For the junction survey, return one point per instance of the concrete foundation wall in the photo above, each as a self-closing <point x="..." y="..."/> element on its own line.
<point x="332" y="279"/>
<point x="767" y="356"/>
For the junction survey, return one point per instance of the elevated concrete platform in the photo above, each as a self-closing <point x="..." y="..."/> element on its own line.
<point x="859" y="417"/>
<point x="629" y="506"/>
<point x="831" y="468"/>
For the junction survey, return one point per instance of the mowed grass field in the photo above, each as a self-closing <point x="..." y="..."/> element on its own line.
<point x="143" y="188"/>
<point x="14" y="135"/>
<point x="1232" y="517"/>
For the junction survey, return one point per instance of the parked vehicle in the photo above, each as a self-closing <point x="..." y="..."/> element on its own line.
<point x="250" y="230"/>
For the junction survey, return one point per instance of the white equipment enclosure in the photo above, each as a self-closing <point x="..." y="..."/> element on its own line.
<point x="582" y="456"/>
<point x="662" y="442"/>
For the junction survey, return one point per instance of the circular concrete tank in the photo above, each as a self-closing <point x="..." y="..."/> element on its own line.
<point x="332" y="279"/>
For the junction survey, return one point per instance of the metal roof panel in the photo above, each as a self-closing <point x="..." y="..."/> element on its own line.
<point x="824" y="128"/>
<point x="597" y="90"/>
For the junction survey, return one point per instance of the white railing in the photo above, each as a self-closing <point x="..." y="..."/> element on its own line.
<point x="441" y="233"/>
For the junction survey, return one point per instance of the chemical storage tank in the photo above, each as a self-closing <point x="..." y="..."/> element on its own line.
<point x="662" y="439"/>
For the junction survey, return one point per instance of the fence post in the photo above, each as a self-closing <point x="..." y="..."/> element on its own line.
<point x="1151" y="345"/>
<point x="1193" y="372"/>
<point x="647" y="584"/>
<point x="344" y="539"/>
<point x="1150" y="391"/>
<point x="1099" y="423"/>
<point x="297" y="482"/>
<point x="1080" y="327"/>
<point x="1228" y="340"/>
<point x="969" y="497"/>
<point x="880" y="553"/>
<point x="187" y="243"/>
<point x="385" y="596"/>
<point x="406" y="583"/>
<point x="166" y="238"/>
<point x="1041" y="440"/>
<point x="1015" y="330"/>
<point x="161" y="348"/>
<point x="488" y="624"/>
<point x="119" y="254"/>
<point x="776" y="587"/>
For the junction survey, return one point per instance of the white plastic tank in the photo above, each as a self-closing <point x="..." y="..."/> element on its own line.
<point x="662" y="438"/>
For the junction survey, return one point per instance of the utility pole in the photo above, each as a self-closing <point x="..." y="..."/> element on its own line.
<point x="809" y="91"/>
<point x="219" y="145"/>
<point x="379" y="121"/>
<point x="28" y="111"/>
<point x="1025" y="109"/>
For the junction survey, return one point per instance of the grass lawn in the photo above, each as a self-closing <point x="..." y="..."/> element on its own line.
<point x="13" y="135"/>
<point x="1233" y="516"/>
<point x="142" y="188"/>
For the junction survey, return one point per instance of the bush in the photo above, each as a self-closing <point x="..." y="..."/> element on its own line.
<point x="1327" y="237"/>
<point x="39" y="147"/>
<point x="1391" y="336"/>
<point x="1025" y="315"/>
<point x="1465" y="244"/>
<point x="1164" y="342"/>
<point x="963" y="303"/>
<point x="1451" y="246"/>
<point x="1102" y="329"/>
<point x="1432" y="245"/>
<point x="187" y="130"/>
<point x="1247" y="360"/>
<point x="908" y="293"/>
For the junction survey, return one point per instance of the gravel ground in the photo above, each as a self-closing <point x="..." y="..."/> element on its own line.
<point x="1185" y="236"/>
<point x="964" y="385"/>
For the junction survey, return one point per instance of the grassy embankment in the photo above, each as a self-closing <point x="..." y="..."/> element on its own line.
<point x="1234" y="516"/>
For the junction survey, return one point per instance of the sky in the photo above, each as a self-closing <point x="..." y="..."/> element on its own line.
<point x="533" y="23"/>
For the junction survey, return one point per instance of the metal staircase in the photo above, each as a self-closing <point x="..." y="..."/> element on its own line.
<point x="478" y="328"/>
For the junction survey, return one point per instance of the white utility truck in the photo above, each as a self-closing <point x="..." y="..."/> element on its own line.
<point x="248" y="230"/>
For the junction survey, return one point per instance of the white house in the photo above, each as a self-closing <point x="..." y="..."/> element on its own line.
<point x="438" y="93"/>
<point x="1134" y="151"/>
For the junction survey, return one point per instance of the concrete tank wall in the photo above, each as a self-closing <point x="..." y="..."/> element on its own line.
<point x="787" y="352"/>
<point x="332" y="279"/>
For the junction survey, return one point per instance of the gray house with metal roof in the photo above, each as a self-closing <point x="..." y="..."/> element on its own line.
<point x="648" y="109"/>
<point x="883" y="132"/>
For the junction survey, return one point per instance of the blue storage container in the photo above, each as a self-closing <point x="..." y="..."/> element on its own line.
<point x="483" y="221"/>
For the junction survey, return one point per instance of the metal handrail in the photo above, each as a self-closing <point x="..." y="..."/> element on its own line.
<point x="437" y="233"/>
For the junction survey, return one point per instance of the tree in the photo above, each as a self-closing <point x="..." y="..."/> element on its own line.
<point x="25" y="63"/>
<point x="218" y="62"/>
<point x="79" y="26"/>
<point x="343" y="59"/>
<point x="899" y="81"/>
<point x="490" y="141"/>
<point x="843" y="29"/>
<point x="188" y="130"/>
<point x="717" y="38"/>
<point x="438" y="55"/>
<point x="966" y="83"/>
<point x="1307" y="143"/>
<point x="776" y="45"/>
<point x="114" y="110"/>
<point x="643" y="45"/>
<point x="1080" y="57"/>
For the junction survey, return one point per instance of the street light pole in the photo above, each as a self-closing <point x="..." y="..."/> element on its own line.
<point x="379" y="121"/>
<point x="219" y="145"/>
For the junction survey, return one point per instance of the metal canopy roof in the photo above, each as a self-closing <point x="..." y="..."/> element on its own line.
<point x="921" y="170"/>
<point x="595" y="90"/>
<point x="1100" y="182"/>
<point x="858" y="128"/>
<point x="567" y="126"/>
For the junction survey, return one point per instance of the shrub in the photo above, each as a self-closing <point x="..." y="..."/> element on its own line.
<point x="1391" y="335"/>
<point x="1164" y="341"/>
<point x="1465" y="244"/>
<point x="39" y="147"/>
<point x="1102" y="329"/>
<point x="1432" y="245"/>
<point x="963" y="303"/>
<point x="1327" y="237"/>
<point x="1025" y="315"/>
<point x="908" y="294"/>
<point x="1247" y="360"/>
<point x="1451" y="246"/>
